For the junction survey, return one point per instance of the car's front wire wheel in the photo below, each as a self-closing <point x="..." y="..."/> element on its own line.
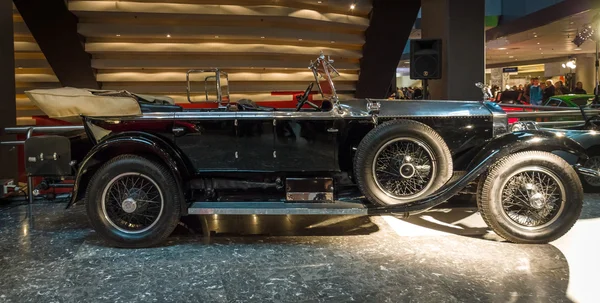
<point x="530" y="197"/>
<point x="133" y="202"/>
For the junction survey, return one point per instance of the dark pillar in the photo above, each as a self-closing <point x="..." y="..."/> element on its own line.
<point x="461" y="26"/>
<point x="8" y="110"/>
<point x="54" y="28"/>
<point x="388" y="32"/>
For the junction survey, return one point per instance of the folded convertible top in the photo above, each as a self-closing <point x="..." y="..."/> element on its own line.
<point x="68" y="102"/>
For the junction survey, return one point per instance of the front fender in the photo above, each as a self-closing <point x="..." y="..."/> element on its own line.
<point x="131" y="141"/>
<point x="529" y="140"/>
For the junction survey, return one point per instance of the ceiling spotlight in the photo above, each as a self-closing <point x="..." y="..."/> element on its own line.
<point x="168" y="35"/>
<point x="502" y="48"/>
<point x="20" y="67"/>
<point x="319" y="2"/>
<point x="588" y="32"/>
<point x="332" y="41"/>
<point x="118" y="35"/>
<point x="571" y="64"/>
<point x="535" y="36"/>
<point x="262" y="37"/>
<point x="300" y="39"/>
<point x="353" y="6"/>
<point x="578" y="49"/>
<point x="511" y="57"/>
<point x="538" y="43"/>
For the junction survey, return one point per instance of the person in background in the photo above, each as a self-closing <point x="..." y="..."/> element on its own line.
<point x="557" y="90"/>
<point x="549" y="91"/>
<point x="399" y="94"/>
<point x="520" y="88"/>
<point x="579" y="89"/>
<point x="495" y="91"/>
<point x="560" y="87"/>
<point x="418" y="94"/>
<point x="535" y="92"/>
<point x="526" y="93"/>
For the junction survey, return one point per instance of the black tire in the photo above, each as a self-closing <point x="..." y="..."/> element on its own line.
<point x="423" y="138"/>
<point x="508" y="180"/>
<point x="591" y="184"/>
<point x="103" y="214"/>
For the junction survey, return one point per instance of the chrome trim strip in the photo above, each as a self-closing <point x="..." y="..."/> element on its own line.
<point x="276" y="208"/>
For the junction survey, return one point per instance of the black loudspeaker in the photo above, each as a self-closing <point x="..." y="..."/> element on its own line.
<point x="426" y="59"/>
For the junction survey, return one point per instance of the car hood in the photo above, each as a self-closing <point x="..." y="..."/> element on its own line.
<point x="417" y="108"/>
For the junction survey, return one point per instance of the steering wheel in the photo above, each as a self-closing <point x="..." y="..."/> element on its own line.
<point x="590" y="123"/>
<point x="304" y="98"/>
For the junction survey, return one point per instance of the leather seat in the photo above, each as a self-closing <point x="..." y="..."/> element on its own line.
<point x="249" y="105"/>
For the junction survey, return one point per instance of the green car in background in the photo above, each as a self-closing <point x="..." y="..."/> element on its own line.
<point x="569" y="100"/>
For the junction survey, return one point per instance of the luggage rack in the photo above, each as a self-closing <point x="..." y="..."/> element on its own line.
<point x="29" y="131"/>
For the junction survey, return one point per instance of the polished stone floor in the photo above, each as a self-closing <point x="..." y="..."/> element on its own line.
<point x="441" y="256"/>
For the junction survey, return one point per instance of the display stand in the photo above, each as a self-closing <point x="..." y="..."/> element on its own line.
<point x="597" y="84"/>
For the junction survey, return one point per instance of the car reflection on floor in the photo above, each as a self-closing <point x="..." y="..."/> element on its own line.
<point x="441" y="256"/>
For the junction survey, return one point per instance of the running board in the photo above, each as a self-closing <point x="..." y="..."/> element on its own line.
<point x="276" y="208"/>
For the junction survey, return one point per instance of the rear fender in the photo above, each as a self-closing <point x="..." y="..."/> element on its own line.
<point x="529" y="140"/>
<point x="135" y="143"/>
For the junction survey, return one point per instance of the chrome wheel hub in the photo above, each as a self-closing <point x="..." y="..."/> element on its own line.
<point x="129" y="205"/>
<point x="537" y="201"/>
<point x="532" y="197"/>
<point x="404" y="168"/>
<point x="132" y="203"/>
<point x="407" y="170"/>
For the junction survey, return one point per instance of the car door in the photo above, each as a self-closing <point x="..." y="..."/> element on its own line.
<point x="207" y="139"/>
<point x="255" y="139"/>
<point x="306" y="141"/>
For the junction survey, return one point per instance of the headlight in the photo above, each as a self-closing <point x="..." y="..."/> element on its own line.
<point x="521" y="126"/>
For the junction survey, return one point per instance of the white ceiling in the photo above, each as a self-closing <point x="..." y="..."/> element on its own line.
<point x="549" y="41"/>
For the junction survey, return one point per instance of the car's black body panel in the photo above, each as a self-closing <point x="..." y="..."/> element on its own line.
<point x="269" y="144"/>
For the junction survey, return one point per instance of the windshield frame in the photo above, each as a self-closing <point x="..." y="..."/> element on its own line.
<point x="323" y="70"/>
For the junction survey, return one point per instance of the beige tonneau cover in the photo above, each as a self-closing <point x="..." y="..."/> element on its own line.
<point x="67" y="103"/>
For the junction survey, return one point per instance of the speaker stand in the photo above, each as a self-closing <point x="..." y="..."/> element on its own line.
<point x="597" y="84"/>
<point x="425" y="88"/>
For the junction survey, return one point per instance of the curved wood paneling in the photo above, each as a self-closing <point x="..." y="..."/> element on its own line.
<point x="264" y="45"/>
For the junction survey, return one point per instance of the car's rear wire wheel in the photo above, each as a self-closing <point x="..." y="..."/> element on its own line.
<point x="132" y="202"/>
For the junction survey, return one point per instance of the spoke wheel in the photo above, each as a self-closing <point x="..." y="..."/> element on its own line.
<point x="404" y="168"/>
<point x="533" y="197"/>
<point x="530" y="197"/>
<point x="401" y="161"/>
<point x="593" y="163"/>
<point x="132" y="203"/>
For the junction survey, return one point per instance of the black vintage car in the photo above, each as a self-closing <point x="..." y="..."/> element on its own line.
<point x="401" y="157"/>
